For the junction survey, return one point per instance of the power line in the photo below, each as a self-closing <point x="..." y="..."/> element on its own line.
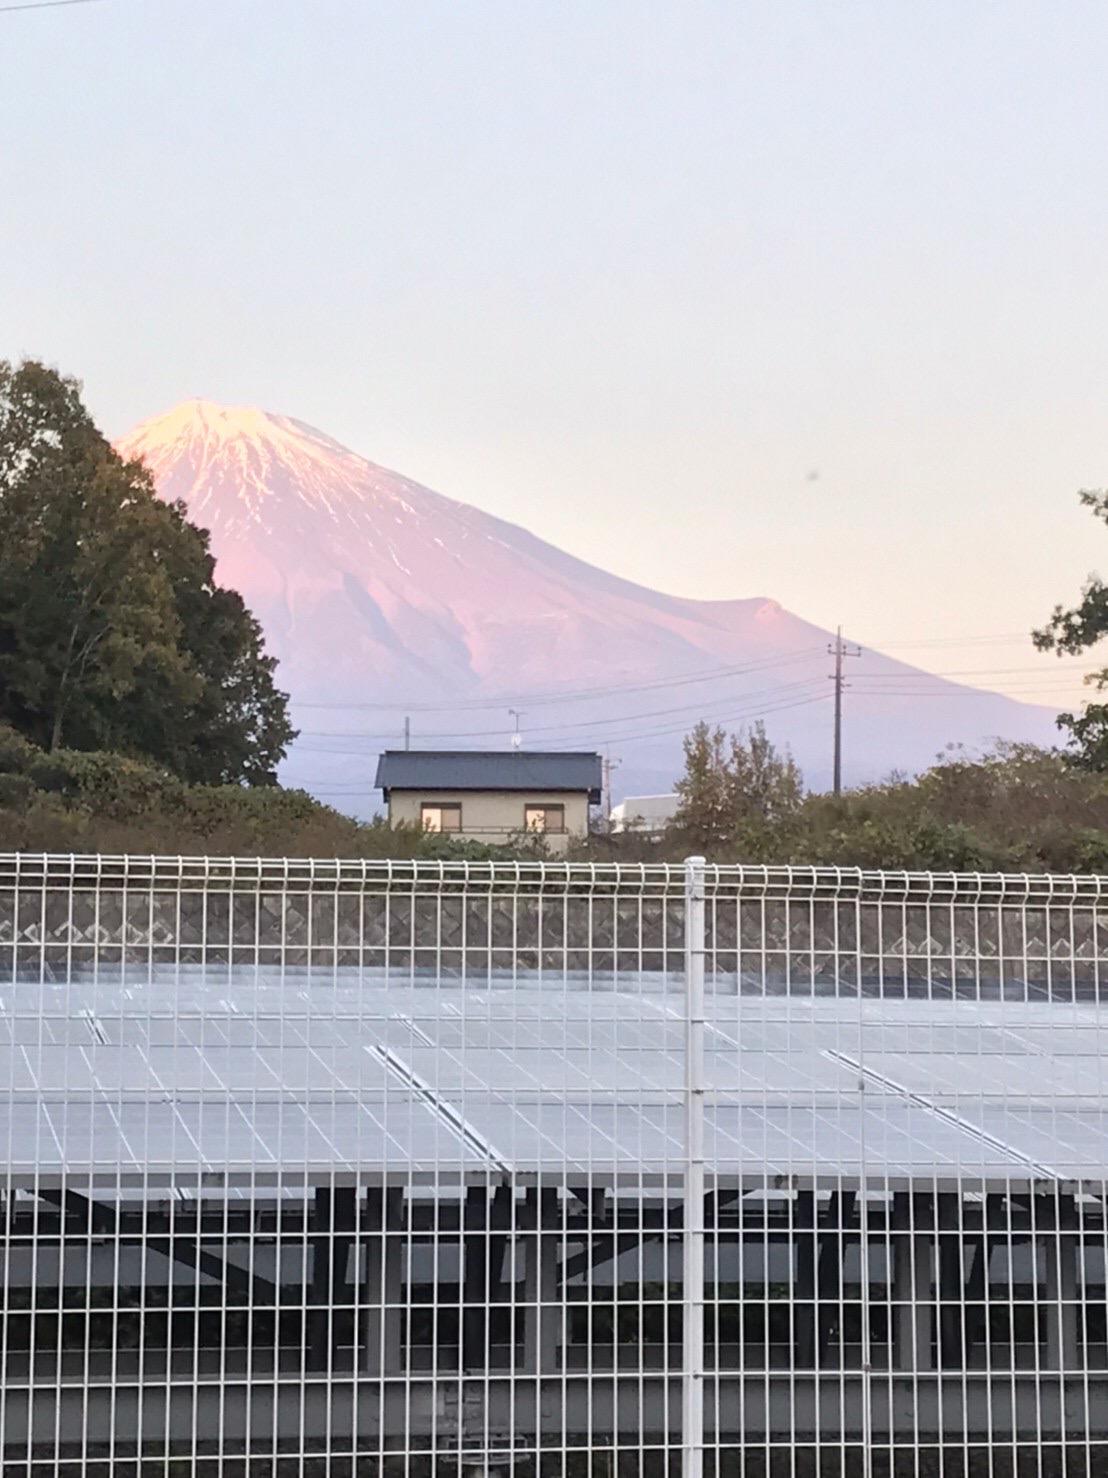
<point x="580" y="695"/>
<point x="871" y="684"/>
<point x="741" y="716"/>
<point x="777" y="691"/>
<point x="606" y="691"/>
<point x="895" y="677"/>
<point x="1004" y="638"/>
<point x="797" y="694"/>
<point x="46" y="4"/>
<point x="1016" y="695"/>
<point x="891" y="685"/>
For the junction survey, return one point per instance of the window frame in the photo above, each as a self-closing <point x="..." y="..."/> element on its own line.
<point x="454" y="807"/>
<point x="546" y="807"/>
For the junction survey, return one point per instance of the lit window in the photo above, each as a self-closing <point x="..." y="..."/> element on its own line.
<point x="441" y="818"/>
<point x="544" y="818"/>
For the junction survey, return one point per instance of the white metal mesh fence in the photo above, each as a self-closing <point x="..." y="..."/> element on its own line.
<point x="545" y="1169"/>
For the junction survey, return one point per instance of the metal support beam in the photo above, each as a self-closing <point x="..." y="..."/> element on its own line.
<point x="383" y="1239"/>
<point x="93" y="1217"/>
<point x="951" y="1281"/>
<point x="392" y="1308"/>
<point x="500" y="1228"/>
<point x="1061" y="1247"/>
<point x="336" y="1212"/>
<point x="482" y="1273"/>
<point x="977" y="1292"/>
<point x="829" y="1269"/>
<point x="542" y="1310"/>
<point x="804" y="1316"/>
<point x="913" y="1311"/>
<point x="475" y="1280"/>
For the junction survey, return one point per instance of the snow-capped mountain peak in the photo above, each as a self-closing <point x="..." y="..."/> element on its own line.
<point x="380" y="597"/>
<point x="227" y="461"/>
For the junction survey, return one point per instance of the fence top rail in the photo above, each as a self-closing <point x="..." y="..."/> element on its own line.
<point x="32" y="870"/>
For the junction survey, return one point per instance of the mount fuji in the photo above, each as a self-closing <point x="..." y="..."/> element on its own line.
<point x="382" y="599"/>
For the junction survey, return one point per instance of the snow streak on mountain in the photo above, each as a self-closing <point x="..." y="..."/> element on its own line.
<point x="382" y="598"/>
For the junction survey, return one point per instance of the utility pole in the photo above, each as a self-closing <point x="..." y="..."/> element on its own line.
<point x="839" y="651"/>
<point x="517" y="721"/>
<point x="609" y="765"/>
<point x="407" y="733"/>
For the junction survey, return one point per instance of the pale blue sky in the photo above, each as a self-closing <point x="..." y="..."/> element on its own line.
<point x="624" y="272"/>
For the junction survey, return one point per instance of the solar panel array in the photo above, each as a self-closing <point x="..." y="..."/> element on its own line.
<point x="322" y="1168"/>
<point x="248" y="1071"/>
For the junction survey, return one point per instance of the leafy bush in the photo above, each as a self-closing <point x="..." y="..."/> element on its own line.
<point x="16" y="753"/>
<point x="108" y="784"/>
<point x="1016" y="808"/>
<point x="16" y="791"/>
<point x="88" y="801"/>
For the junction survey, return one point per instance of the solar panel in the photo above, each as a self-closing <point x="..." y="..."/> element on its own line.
<point x="232" y="1068"/>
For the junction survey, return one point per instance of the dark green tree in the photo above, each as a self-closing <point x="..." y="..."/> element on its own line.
<point x="702" y="813"/>
<point x="237" y="722"/>
<point x="113" y="632"/>
<point x="1071" y="631"/>
<point x="740" y="795"/>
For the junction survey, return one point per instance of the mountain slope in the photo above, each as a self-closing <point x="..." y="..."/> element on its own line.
<point x="381" y="597"/>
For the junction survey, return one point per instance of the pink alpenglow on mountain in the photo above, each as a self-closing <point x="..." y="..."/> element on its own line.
<point x="382" y="598"/>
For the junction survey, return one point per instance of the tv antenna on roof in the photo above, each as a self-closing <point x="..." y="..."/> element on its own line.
<point x="517" y="737"/>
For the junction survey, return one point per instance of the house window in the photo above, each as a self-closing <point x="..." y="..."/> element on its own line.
<point x="544" y="818"/>
<point x="437" y="817"/>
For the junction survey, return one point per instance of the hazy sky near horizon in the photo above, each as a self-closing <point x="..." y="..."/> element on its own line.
<point x="803" y="300"/>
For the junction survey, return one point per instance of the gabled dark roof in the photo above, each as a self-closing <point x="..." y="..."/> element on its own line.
<point x="478" y="769"/>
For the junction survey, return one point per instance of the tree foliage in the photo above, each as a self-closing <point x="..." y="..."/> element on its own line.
<point x="113" y="632"/>
<point x="1076" y="630"/>
<point x="90" y="801"/>
<point x="1016" y="808"/>
<point x="738" y="792"/>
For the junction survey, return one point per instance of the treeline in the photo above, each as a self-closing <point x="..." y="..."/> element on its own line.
<point x="1017" y="809"/>
<point x="91" y="801"/>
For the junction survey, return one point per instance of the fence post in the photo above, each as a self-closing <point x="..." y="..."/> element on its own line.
<point x="692" y="1355"/>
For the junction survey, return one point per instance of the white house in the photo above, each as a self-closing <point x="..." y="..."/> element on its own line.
<point x="492" y="795"/>
<point x="646" y="814"/>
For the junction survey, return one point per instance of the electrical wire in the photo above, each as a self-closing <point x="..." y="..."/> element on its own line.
<point x="1006" y="638"/>
<point x="1017" y="695"/>
<point x="741" y="716"/>
<point x="605" y="692"/>
<point x="806" y="692"/>
<point x="964" y="672"/>
<point x="798" y="694"/>
<point x="593" y="723"/>
<point x="45" y="4"/>
<point x="579" y="695"/>
<point x="870" y="684"/>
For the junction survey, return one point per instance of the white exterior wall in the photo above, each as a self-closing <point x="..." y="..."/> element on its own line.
<point x="494" y="815"/>
<point x="644" y="813"/>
